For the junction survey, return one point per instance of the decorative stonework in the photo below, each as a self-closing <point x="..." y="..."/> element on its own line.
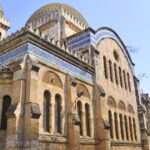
<point x="130" y="109"/>
<point x="45" y="56"/>
<point x="81" y="87"/>
<point x="121" y="105"/>
<point x="111" y="102"/>
<point x="6" y="75"/>
<point x="52" y="79"/>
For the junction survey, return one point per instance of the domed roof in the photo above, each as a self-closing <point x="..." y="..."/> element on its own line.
<point x="56" y="7"/>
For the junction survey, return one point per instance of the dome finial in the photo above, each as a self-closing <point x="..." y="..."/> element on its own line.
<point x="1" y="11"/>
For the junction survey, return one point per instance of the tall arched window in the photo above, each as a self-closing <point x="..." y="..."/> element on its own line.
<point x="0" y="36"/>
<point x="46" y="111"/>
<point x="120" y="76"/>
<point x="125" y="80"/>
<point x="131" y="132"/>
<point x="126" y="127"/>
<point x="58" y="113"/>
<point x="5" y="106"/>
<point x="116" y="125"/>
<point x="110" y="70"/>
<point x="111" y="124"/>
<point x="129" y="84"/>
<point x="121" y="126"/>
<point x="79" y="109"/>
<point x="116" y="74"/>
<point x="87" y="115"/>
<point x="134" y="127"/>
<point x="105" y="67"/>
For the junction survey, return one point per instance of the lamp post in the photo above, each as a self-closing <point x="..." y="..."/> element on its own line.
<point x="76" y="118"/>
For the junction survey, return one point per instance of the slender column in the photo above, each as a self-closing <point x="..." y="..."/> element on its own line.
<point x="53" y="113"/>
<point x="119" y="127"/>
<point x="113" y="125"/>
<point x="73" y="128"/>
<point x="83" y="120"/>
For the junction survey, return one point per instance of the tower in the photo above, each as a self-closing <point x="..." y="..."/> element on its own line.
<point x="4" y="24"/>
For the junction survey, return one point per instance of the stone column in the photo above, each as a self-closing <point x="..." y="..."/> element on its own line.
<point x="53" y="113"/>
<point x="119" y="128"/>
<point x="84" y="120"/>
<point x="113" y="124"/>
<point x="73" y="128"/>
<point x="124" y="131"/>
<point x="32" y="110"/>
<point x="102" y="127"/>
<point x="15" y="113"/>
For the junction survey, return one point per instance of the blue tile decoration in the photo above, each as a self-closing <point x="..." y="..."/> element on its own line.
<point x="89" y="38"/>
<point x="17" y="52"/>
<point x="45" y="56"/>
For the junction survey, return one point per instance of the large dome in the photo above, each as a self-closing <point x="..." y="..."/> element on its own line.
<point x="47" y="9"/>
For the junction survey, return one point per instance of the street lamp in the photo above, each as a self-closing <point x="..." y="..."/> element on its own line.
<point x="76" y="118"/>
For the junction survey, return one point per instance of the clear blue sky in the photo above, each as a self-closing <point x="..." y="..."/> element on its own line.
<point x="129" y="18"/>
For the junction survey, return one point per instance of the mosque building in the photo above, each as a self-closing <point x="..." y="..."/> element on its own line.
<point x="66" y="86"/>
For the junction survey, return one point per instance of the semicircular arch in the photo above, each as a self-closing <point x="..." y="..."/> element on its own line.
<point x="111" y="102"/>
<point x="81" y="87"/>
<point x="52" y="79"/>
<point x="121" y="105"/>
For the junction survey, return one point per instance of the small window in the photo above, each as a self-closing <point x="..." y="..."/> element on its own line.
<point x="111" y="124"/>
<point x="116" y="125"/>
<point x="6" y="104"/>
<point x="126" y="127"/>
<point x="87" y="113"/>
<point x="116" y="55"/>
<point x="116" y="73"/>
<point x="105" y="67"/>
<point x="58" y="113"/>
<point x="121" y="126"/>
<point x="46" y="112"/>
<point x="120" y="76"/>
<point x="131" y="130"/>
<point x="110" y="71"/>
<point x="79" y="109"/>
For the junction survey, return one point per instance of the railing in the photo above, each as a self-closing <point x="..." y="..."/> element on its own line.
<point x="6" y="75"/>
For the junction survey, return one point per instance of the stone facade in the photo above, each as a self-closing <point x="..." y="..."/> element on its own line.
<point x="65" y="86"/>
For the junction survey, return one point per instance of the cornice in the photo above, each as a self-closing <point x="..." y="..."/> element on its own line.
<point x="50" y="45"/>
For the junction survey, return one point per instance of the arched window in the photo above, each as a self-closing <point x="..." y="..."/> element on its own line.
<point x="124" y="77"/>
<point x="58" y="113"/>
<point x="87" y="115"/>
<point x="116" y="125"/>
<point x="134" y="127"/>
<point x="129" y="84"/>
<point x="126" y="127"/>
<point x="121" y="126"/>
<point x="120" y="76"/>
<point x="79" y="109"/>
<point x="116" y="74"/>
<point x="0" y="36"/>
<point x="105" y="67"/>
<point x="46" y="111"/>
<point x="5" y="106"/>
<point x="110" y="70"/>
<point x="111" y="124"/>
<point x="131" y="132"/>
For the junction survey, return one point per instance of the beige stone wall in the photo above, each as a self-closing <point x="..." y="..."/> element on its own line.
<point x="126" y="148"/>
<point x="106" y="48"/>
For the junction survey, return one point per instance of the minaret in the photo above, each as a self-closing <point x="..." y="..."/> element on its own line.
<point x="4" y="24"/>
